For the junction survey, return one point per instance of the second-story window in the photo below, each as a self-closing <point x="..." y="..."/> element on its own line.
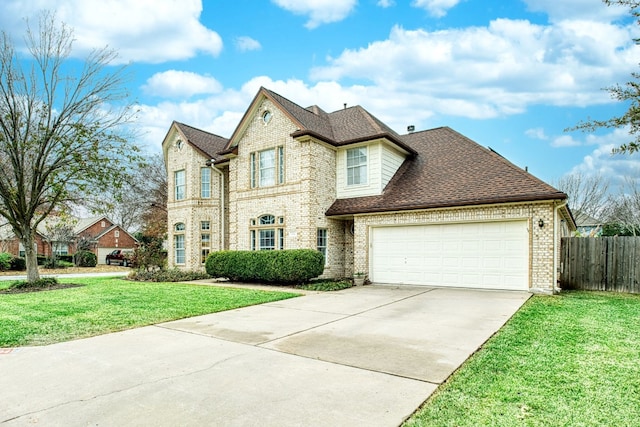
<point x="357" y="166"/>
<point x="205" y="183"/>
<point x="180" y="184"/>
<point x="267" y="167"/>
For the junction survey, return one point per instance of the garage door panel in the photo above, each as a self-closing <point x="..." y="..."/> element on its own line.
<point x="492" y="255"/>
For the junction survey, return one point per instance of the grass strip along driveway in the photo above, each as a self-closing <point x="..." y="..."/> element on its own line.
<point x="567" y="360"/>
<point x="105" y="305"/>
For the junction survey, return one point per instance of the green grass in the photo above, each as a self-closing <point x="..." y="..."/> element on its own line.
<point x="567" y="360"/>
<point x="111" y="304"/>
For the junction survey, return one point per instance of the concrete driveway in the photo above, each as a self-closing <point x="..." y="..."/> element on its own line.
<point x="363" y="356"/>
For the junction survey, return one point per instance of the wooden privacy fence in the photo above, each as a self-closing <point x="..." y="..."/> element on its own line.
<point x="600" y="263"/>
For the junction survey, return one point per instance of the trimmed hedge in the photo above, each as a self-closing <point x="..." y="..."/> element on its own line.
<point x="291" y="266"/>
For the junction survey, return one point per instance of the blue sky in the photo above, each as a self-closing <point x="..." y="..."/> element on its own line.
<point x="511" y="75"/>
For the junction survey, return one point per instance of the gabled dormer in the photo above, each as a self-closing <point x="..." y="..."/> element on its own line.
<point x="368" y="152"/>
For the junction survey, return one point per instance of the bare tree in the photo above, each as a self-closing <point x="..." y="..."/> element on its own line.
<point x="625" y="208"/>
<point x="141" y="201"/>
<point x="62" y="133"/>
<point x="59" y="231"/>
<point x="587" y="194"/>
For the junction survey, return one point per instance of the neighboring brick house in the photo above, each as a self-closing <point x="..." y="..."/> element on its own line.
<point x="104" y="235"/>
<point x="426" y="208"/>
<point x="101" y="233"/>
<point x="10" y="244"/>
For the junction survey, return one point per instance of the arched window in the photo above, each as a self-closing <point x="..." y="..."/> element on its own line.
<point x="265" y="235"/>
<point x="267" y="220"/>
<point x="178" y="243"/>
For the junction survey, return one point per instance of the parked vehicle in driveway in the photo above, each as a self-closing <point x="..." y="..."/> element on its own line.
<point x="119" y="256"/>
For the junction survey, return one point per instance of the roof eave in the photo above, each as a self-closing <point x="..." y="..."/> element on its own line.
<point x="385" y="135"/>
<point x="448" y="204"/>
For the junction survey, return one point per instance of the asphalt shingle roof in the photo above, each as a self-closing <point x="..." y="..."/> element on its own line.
<point x="450" y="170"/>
<point x="209" y="143"/>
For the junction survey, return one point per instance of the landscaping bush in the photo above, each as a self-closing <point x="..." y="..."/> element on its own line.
<point x="286" y="267"/>
<point x="172" y="275"/>
<point x="86" y="259"/>
<point x="5" y="261"/>
<point x="18" y="264"/>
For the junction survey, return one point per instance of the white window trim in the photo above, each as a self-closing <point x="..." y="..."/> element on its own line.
<point x="205" y="183"/>
<point x="363" y="181"/>
<point x="180" y="186"/>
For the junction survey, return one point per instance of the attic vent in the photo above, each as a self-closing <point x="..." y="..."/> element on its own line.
<point x="411" y="128"/>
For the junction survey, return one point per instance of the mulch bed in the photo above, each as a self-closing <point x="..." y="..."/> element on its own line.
<point x="37" y="289"/>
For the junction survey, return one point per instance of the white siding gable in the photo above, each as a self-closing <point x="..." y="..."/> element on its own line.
<point x="382" y="163"/>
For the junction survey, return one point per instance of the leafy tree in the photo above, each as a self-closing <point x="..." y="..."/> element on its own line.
<point x="62" y="127"/>
<point x="629" y="92"/>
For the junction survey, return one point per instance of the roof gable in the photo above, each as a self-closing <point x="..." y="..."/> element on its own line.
<point x="207" y="143"/>
<point x="450" y="170"/>
<point x="342" y="127"/>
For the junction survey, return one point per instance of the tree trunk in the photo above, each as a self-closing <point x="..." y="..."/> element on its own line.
<point x="31" y="256"/>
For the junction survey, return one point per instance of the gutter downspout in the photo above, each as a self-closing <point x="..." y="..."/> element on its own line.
<point x="222" y="223"/>
<point x="556" y="255"/>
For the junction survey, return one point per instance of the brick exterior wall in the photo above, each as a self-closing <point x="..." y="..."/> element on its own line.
<point x="116" y="238"/>
<point x="307" y="192"/>
<point x="192" y="210"/>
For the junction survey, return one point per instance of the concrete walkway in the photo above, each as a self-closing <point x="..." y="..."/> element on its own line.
<point x="365" y="356"/>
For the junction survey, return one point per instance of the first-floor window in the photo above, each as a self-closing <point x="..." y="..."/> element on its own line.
<point x="178" y="244"/>
<point x="205" y="245"/>
<point x="179" y="248"/>
<point x="266" y="236"/>
<point x="60" y="248"/>
<point x="267" y="239"/>
<point x="322" y="242"/>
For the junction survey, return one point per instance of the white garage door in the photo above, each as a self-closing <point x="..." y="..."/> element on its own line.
<point x="102" y="254"/>
<point x="490" y="255"/>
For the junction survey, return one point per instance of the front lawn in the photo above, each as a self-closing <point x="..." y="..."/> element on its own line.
<point x="567" y="360"/>
<point x="111" y="304"/>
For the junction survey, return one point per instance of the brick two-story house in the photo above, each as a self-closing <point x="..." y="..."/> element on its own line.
<point x="425" y="208"/>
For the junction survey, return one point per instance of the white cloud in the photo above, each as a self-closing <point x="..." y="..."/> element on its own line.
<point x="498" y="70"/>
<point x="152" y="31"/>
<point x="600" y="161"/>
<point x="565" y="141"/>
<point x="437" y="8"/>
<point x="319" y="11"/>
<point x="537" y="133"/>
<point x="386" y="3"/>
<point x="245" y="43"/>
<point x="180" y="84"/>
